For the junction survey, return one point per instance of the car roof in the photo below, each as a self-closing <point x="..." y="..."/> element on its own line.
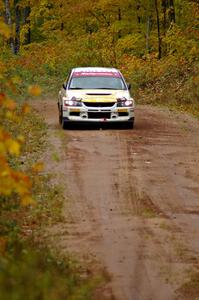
<point x="95" y="69"/>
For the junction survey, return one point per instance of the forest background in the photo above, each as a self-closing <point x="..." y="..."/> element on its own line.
<point x="155" y="45"/>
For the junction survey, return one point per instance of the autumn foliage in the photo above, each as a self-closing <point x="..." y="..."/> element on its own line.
<point x="13" y="182"/>
<point x="153" y="42"/>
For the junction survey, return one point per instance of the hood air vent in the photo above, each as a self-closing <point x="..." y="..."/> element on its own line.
<point x="98" y="94"/>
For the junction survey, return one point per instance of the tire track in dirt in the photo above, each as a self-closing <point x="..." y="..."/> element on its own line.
<point x="132" y="201"/>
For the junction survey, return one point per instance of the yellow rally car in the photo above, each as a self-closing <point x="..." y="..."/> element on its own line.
<point x="95" y="95"/>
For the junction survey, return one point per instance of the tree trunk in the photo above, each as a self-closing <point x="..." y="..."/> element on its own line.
<point x="62" y="24"/>
<point x="158" y="28"/>
<point x="8" y="20"/>
<point x="27" y="11"/>
<point x="172" y="16"/>
<point x="164" y="8"/>
<point x="119" y="19"/>
<point x="17" y="29"/>
<point x="138" y="12"/>
<point x="148" y="32"/>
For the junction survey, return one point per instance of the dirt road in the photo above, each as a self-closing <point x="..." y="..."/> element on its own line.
<point x="132" y="202"/>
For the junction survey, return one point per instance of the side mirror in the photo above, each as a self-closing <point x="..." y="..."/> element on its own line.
<point x="129" y="86"/>
<point x="64" y="87"/>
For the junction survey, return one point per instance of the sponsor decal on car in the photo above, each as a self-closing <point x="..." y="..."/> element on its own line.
<point x="87" y="73"/>
<point x="99" y="99"/>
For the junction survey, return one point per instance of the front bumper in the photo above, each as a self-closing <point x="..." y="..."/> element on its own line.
<point x="98" y="114"/>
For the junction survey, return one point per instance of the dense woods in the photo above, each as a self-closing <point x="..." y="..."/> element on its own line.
<point x="153" y="42"/>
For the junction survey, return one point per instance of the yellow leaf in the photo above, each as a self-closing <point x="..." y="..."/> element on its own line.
<point x="4" y="173"/>
<point x="25" y="108"/>
<point x="27" y="200"/>
<point x="34" y="90"/>
<point x="21" y="189"/>
<point x="16" y="80"/>
<point x="9" y="115"/>
<point x="38" y="167"/>
<point x="20" y="139"/>
<point x="5" y="30"/>
<point x="13" y="147"/>
<point x="10" y="104"/>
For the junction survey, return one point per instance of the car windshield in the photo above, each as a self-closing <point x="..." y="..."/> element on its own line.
<point x="97" y="82"/>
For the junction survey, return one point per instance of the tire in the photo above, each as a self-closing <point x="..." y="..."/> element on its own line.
<point x="60" y="115"/>
<point x="129" y="124"/>
<point x="63" y="124"/>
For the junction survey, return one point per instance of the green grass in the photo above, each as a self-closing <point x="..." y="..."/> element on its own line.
<point x="34" y="273"/>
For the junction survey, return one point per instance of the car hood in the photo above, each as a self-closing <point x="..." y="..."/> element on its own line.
<point x="98" y="95"/>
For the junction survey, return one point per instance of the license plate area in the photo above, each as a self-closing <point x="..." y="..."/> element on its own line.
<point x="99" y="115"/>
<point x="74" y="110"/>
<point x="122" y="110"/>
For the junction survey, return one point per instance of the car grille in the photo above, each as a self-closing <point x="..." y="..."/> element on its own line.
<point x="123" y="114"/>
<point x="99" y="115"/>
<point x="75" y="114"/>
<point x="99" y="104"/>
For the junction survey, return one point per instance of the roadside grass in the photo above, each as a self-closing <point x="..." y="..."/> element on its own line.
<point x="149" y="213"/>
<point x="149" y="209"/>
<point x="166" y="226"/>
<point x="55" y="157"/>
<point x="29" y="269"/>
<point x="176" y="88"/>
<point x="190" y="288"/>
<point x="34" y="273"/>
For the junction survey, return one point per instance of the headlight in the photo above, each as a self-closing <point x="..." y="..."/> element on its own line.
<point x="123" y="102"/>
<point x="72" y="102"/>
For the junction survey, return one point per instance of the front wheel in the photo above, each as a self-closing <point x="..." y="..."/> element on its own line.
<point x="64" y="123"/>
<point x="129" y="124"/>
<point x="60" y="114"/>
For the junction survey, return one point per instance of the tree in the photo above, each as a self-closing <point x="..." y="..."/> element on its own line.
<point x="17" y="27"/>
<point x="158" y="30"/>
<point x="26" y="22"/>
<point x="172" y="17"/>
<point x="8" y="19"/>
